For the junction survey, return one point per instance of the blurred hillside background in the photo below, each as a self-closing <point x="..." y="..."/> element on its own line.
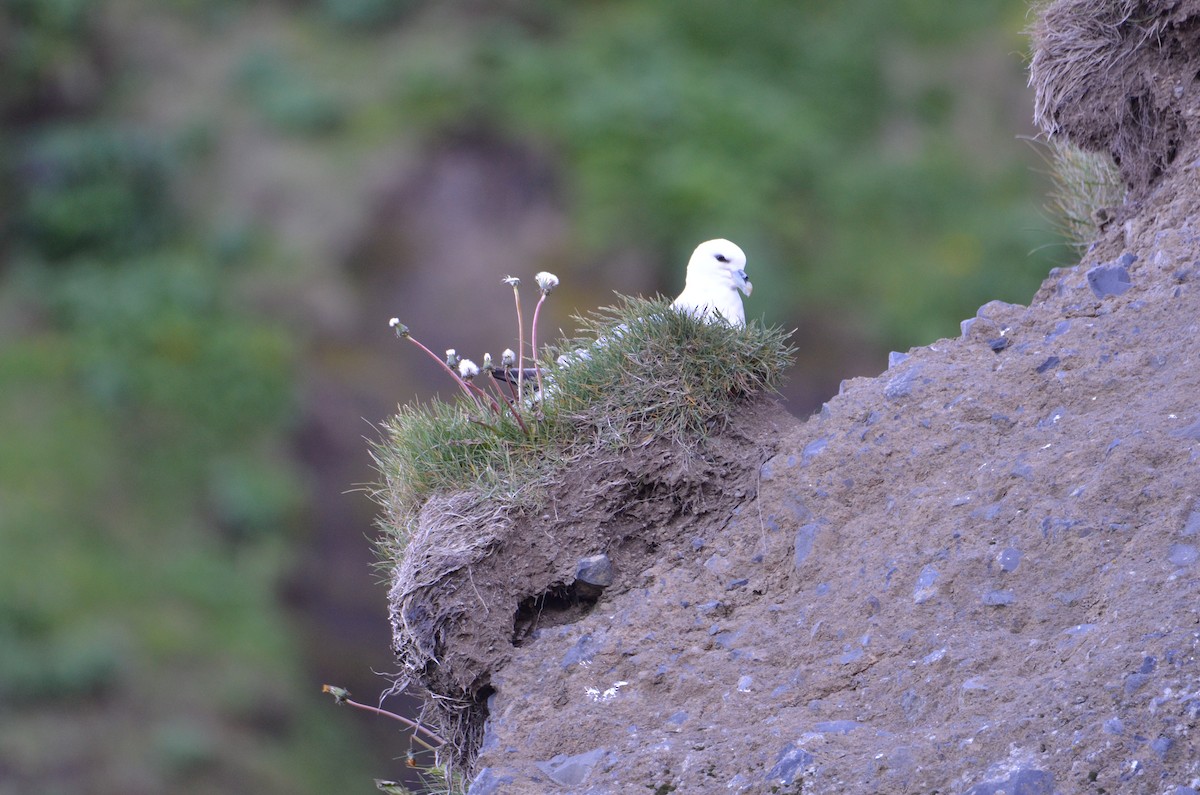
<point x="209" y="209"/>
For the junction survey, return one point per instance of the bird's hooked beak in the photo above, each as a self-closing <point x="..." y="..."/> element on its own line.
<point x="743" y="283"/>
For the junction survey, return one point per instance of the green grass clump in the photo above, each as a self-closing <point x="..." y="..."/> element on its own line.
<point x="1087" y="190"/>
<point x="638" y="372"/>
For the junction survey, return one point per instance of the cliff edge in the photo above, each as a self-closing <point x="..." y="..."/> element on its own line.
<point x="978" y="572"/>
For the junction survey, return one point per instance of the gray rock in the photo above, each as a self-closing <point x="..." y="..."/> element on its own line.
<point x="595" y="570"/>
<point x="489" y="782"/>
<point x="1021" y="782"/>
<point x="1161" y="746"/>
<point x="998" y="598"/>
<point x="805" y="537"/>
<point x="896" y="358"/>
<point x="1009" y="559"/>
<point x="1111" y="278"/>
<point x="583" y="651"/>
<point x="1183" y="554"/>
<point x="1060" y="328"/>
<point x="836" y="726"/>
<point x="571" y="771"/>
<point x="1135" y="682"/>
<point x="1191" y="525"/>
<point x="812" y="450"/>
<point x="790" y="763"/>
<point x="1188" y="432"/>
<point x="901" y="385"/>
<point x="925" y="588"/>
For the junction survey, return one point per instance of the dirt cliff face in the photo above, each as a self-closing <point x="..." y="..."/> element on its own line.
<point x="976" y="573"/>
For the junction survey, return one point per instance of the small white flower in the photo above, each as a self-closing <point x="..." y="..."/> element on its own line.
<point x="451" y="357"/>
<point x="512" y="281"/>
<point x="467" y="369"/>
<point x="508" y="358"/>
<point x="546" y="281"/>
<point x="487" y="361"/>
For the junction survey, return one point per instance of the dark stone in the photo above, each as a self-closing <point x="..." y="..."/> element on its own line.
<point x="595" y="570"/>
<point x="790" y="763"/>
<point x="1051" y="361"/>
<point x="741" y="582"/>
<point x="999" y="343"/>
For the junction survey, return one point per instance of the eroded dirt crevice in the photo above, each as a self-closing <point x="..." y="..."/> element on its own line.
<point x="562" y="603"/>
<point x="465" y="561"/>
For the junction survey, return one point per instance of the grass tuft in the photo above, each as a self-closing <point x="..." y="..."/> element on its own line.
<point x="639" y="371"/>
<point x="1087" y="191"/>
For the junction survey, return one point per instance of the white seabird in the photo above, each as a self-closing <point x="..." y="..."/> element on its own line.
<point x="715" y="274"/>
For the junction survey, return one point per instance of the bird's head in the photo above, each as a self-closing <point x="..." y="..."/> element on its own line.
<point x="719" y="261"/>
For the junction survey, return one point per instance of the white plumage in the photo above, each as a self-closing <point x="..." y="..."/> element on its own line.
<point x="715" y="274"/>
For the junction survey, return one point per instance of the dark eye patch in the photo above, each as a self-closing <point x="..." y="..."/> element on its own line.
<point x="721" y="258"/>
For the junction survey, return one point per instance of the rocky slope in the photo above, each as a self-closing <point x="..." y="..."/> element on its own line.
<point x="976" y="573"/>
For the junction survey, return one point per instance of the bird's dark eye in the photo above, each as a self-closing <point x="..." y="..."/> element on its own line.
<point x="721" y="258"/>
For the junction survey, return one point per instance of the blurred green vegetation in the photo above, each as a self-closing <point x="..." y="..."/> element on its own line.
<point x="788" y="126"/>
<point x="150" y="505"/>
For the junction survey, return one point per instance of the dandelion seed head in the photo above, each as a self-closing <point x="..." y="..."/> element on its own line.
<point x="451" y="357"/>
<point x="546" y="281"/>
<point x="512" y="281"/>
<point x="468" y="369"/>
<point x="508" y="358"/>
